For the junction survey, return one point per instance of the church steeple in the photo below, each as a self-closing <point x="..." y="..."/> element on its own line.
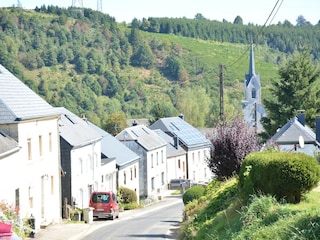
<point x="251" y="64"/>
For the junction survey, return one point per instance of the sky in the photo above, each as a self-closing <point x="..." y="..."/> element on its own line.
<point x="251" y="11"/>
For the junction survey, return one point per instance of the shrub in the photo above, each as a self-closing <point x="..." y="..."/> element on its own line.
<point x="127" y="195"/>
<point x="192" y="193"/>
<point x="283" y="175"/>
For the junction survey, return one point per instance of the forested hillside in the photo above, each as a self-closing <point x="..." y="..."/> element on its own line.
<point x="92" y="65"/>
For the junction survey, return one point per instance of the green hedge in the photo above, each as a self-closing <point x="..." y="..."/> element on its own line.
<point x="281" y="174"/>
<point x="192" y="193"/>
<point x="127" y="195"/>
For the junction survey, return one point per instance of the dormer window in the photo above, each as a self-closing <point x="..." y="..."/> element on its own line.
<point x="253" y="93"/>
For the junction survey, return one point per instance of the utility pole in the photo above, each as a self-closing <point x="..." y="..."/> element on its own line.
<point x="80" y="6"/>
<point x="221" y="93"/>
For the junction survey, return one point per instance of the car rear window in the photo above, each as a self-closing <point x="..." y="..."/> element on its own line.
<point x="100" y="198"/>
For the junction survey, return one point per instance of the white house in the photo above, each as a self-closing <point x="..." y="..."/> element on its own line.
<point x="35" y="168"/>
<point x="80" y="159"/>
<point x="176" y="157"/>
<point x="296" y="136"/>
<point x="120" y="160"/>
<point x="193" y="141"/>
<point x="9" y="159"/>
<point x="151" y="149"/>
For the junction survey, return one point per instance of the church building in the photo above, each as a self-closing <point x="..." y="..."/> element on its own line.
<point x="252" y="108"/>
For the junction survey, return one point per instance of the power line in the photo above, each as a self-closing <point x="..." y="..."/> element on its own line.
<point x="260" y="32"/>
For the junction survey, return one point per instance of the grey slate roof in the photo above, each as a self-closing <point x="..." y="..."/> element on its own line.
<point x="187" y="134"/>
<point x="147" y="138"/>
<point x="291" y="131"/>
<point x="18" y="102"/>
<point x="172" y="150"/>
<point x="74" y="130"/>
<point x="7" y="145"/>
<point x="112" y="148"/>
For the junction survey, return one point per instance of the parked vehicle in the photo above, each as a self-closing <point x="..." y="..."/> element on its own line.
<point x="104" y="204"/>
<point x="177" y="183"/>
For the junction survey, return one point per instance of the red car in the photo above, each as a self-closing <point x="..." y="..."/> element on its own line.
<point x="105" y="205"/>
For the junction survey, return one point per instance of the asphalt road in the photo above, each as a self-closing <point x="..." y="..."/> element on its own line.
<point x="160" y="221"/>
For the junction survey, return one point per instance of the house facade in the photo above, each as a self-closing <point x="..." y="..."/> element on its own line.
<point x="151" y="150"/>
<point x="196" y="145"/>
<point x="176" y="157"/>
<point x="121" y="161"/>
<point x="80" y="159"/>
<point x="296" y="136"/>
<point x="33" y="124"/>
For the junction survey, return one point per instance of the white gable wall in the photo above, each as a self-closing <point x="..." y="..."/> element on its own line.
<point x="9" y="182"/>
<point x="108" y="173"/>
<point x="177" y="167"/>
<point x="198" y="169"/>
<point x="156" y="171"/>
<point x="85" y="167"/>
<point x="39" y="170"/>
<point x="129" y="177"/>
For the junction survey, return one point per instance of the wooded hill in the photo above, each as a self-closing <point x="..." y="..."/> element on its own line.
<point x="87" y="62"/>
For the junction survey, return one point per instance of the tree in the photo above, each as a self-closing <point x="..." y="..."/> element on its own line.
<point x="115" y="123"/>
<point x="232" y="142"/>
<point x="301" y="21"/>
<point x="238" y="20"/>
<point x="296" y="89"/>
<point x="199" y="16"/>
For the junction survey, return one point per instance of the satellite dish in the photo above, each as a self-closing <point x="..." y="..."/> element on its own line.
<point x="301" y="142"/>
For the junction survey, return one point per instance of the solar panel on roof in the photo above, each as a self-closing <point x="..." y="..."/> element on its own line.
<point x="189" y="134"/>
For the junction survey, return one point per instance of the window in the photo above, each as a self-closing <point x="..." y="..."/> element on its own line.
<point x="50" y="142"/>
<point x="162" y="156"/>
<point x="40" y="146"/>
<point x="30" y="197"/>
<point x="152" y="160"/>
<point x="124" y="178"/>
<point x="52" y="185"/>
<point x="152" y="184"/>
<point x="17" y="198"/>
<point x="162" y="178"/>
<point x="80" y="166"/>
<point x="183" y="166"/>
<point x="199" y="156"/>
<point x="131" y="174"/>
<point x="254" y="93"/>
<point x="193" y="157"/>
<point x="179" y="163"/>
<point x="29" y="149"/>
<point x="135" y="172"/>
<point x="157" y="158"/>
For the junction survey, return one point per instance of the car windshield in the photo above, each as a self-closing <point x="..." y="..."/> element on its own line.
<point x="100" y="198"/>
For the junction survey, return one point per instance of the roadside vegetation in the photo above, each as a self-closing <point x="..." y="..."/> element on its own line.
<point x="221" y="213"/>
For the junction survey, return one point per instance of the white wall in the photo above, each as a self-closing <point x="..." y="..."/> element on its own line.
<point x="156" y="171"/>
<point x="197" y="165"/>
<point x="85" y="171"/>
<point x="39" y="170"/>
<point x="129" y="177"/>
<point x="176" y="170"/>
<point x="108" y="176"/>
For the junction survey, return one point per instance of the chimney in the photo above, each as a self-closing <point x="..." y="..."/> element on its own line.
<point x="175" y="142"/>
<point x="301" y="117"/>
<point x="318" y="128"/>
